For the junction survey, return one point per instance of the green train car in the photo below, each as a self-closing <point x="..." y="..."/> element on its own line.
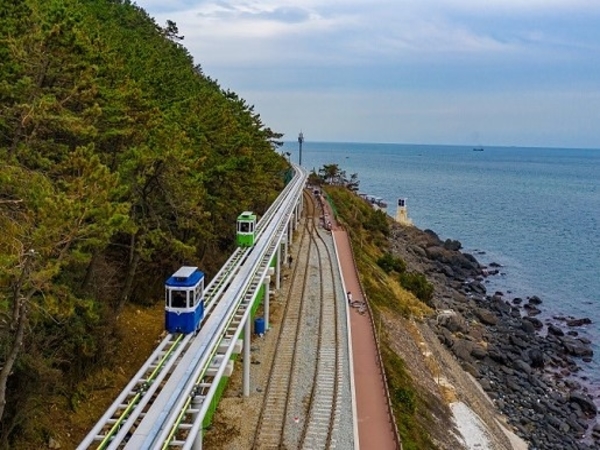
<point x="246" y="229"/>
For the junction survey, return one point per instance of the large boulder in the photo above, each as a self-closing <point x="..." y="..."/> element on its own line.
<point x="462" y="349"/>
<point x="453" y="322"/>
<point x="486" y="317"/>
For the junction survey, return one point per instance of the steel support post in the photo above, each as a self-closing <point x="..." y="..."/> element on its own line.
<point x="266" y="302"/>
<point x="247" y="344"/>
<point x="197" y="445"/>
<point x="278" y="269"/>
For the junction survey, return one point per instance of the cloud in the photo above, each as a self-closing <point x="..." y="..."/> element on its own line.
<point x="342" y="62"/>
<point x="280" y="14"/>
<point x="513" y="7"/>
<point x="261" y="33"/>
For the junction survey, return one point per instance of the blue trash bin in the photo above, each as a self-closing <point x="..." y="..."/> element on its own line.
<point x="259" y="326"/>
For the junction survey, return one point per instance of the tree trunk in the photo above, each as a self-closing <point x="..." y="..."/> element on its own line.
<point x="134" y="260"/>
<point x="85" y="285"/>
<point x="17" y="325"/>
<point x="20" y="312"/>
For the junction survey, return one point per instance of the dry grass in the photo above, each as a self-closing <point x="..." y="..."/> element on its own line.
<point x="68" y="420"/>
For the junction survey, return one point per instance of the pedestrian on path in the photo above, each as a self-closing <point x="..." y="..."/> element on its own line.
<point x="349" y="296"/>
<point x="290" y="260"/>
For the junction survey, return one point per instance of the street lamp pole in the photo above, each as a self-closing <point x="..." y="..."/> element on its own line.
<point x="300" y="141"/>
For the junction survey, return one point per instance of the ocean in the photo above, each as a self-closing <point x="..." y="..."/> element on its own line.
<point x="534" y="211"/>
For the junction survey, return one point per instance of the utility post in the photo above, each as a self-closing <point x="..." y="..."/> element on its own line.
<point x="300" y="141"/>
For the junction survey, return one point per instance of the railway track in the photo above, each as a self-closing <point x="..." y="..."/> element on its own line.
<point x="274" y="412"/>
<point x="300" y="405"/>
<point x="323" y="410"/>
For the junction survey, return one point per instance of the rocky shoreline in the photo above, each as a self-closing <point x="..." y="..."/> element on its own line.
<point x="529" y="368"/>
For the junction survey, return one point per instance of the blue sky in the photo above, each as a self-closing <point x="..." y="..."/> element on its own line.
<point x="491" y="72"/>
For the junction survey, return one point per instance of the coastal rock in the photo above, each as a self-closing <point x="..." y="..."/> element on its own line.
<point x="432" y="235"/>
<point x="522" y="366"/>
<point x="438" y="253"/>
<point x="586" y="403"/>
<point x="534" y="300"/>
<point x="499" y="305"/>
<point x="476" y="287"/>
<point x="530" y="375"/>
<point x="451" y="244"/>
<point x="537" y="358"/>
<point x="453" y="323"/>
<point x="419" y="251"/>
<point x="575" y="347"/>
<point x="554" y="330"/>
<point x="478" y="352"/>
<point x="518" y="342"/>
<point x="537" y="324"/>
<point x="497" y="356"/>
<point x="578" y="322"/>
<point x="531" y="310"/>
<point x="527" y="326"/>
<point x="486" y="317"/>
<point x="462" y="348"/>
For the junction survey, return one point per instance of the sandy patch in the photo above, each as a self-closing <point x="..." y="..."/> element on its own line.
<point x="471" y="428"/>
<point x="474" y="432"/>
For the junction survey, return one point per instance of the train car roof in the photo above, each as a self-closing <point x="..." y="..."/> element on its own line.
<point x="247" y="215"/>
<point x="186" y="276"/>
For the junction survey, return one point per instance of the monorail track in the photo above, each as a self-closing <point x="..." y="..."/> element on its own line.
<point x="235" y="285"/>
<point x="125" y="413"/>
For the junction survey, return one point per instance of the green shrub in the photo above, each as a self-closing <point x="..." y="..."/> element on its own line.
<point x="417" y="284"/>
<point x="378" y="222"/>
<point x="390" y="263"/>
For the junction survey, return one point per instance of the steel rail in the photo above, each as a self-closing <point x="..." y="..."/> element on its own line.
<point x="199" y="357"/>
<point x="276" y="400"/>
<point x="251" y="275"/>
<point x="322" y="410"/>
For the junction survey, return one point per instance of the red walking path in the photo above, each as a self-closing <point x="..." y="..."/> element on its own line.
<point x="376" y="429"/>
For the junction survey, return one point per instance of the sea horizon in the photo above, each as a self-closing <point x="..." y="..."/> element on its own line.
<point x="293" y="145"/>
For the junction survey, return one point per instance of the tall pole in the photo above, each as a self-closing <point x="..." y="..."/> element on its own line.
<point x="300" y="141"/>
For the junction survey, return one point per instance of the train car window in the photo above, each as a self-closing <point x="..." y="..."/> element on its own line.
<point x="244" y="227"/>
<point x="197" y="294"/>
<point x="178" y="299"/>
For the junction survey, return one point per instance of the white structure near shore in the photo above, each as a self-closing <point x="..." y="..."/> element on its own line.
<point x="402" y="213"/>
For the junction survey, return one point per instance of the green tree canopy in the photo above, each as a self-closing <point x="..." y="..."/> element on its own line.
<point x="121" y="160"/>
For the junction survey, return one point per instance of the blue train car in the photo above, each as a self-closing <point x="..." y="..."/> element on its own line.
<point x="184" y="300"/>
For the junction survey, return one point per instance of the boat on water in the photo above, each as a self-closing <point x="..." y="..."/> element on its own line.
<point x="478" y="149"/>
